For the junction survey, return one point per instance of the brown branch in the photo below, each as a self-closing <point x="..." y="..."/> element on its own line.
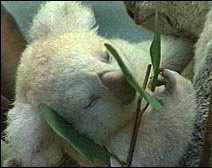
<point x="139" y="115"/>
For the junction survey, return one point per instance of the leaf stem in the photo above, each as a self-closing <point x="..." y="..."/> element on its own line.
<point x="139" y="114"/>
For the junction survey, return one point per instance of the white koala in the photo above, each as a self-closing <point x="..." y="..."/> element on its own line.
<point x="67" y="67"/>
<point x="191" y="20"/>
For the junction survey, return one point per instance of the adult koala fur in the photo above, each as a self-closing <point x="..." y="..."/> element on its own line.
<point x="67" y="67"/>
<point x="191" y="20"/>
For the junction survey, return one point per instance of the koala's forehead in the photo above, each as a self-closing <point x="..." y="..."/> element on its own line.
<point x="55" y="62"/>
<point x="68" y="45"/>
<point x="64" y="50"/>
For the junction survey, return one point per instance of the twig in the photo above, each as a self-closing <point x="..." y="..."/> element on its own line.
<point x="139" y="115"/>
<point x="154" y="84"/>
<point x="207" y="146"/>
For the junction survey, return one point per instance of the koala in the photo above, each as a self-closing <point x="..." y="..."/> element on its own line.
<point x="67" y="68"/>
<point x="192" y="21"/>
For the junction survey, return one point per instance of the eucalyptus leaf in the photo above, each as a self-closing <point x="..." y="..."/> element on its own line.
<point x="155" y="53"/>
<point x="131" y="80"/>
<point x="83" y="145"/>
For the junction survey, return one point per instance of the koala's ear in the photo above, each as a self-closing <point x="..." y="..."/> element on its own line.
<point x="59" y="17"/>
<point x="116" y="82"/>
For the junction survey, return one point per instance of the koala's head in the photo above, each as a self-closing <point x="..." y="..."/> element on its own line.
<point x="184" y="19"/>
<point x="74" y="75"/>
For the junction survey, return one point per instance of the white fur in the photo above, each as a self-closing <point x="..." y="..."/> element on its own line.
<point x="164" y="134"/>
<point x="61" y="70"/>
<point x="191" y="20"/>
<point x="31" y="140"/>
<point x="61" y="17"/>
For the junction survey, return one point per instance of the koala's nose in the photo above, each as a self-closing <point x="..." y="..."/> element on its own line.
<point x="117" y="83"/>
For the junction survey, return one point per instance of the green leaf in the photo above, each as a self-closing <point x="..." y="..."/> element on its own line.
<point x="155" y="53"/>
<point x="86" y="147"/>
<point x="152" y="101"/>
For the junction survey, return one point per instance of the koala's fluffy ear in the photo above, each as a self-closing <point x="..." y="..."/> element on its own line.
<point x="59" y="17"/>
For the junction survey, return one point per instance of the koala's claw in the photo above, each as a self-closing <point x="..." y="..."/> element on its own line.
<point x="167" y="77"/>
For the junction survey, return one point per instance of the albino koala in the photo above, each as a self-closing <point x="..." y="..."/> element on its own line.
<point x="67" y="67"/>
<point x="191" y="20"/>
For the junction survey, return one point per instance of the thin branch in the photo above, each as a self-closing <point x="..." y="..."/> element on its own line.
<point x="139" y="115"/>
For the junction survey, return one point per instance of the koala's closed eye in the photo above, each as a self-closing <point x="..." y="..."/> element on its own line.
<point x="91" y="101"/>
<point x="106" y="58"/>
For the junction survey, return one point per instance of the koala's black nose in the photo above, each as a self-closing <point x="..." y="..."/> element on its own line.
<point x="117" y="83"/>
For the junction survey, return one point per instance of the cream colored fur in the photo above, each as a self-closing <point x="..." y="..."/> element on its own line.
<point x="61" y="68"/>
<point x="61" y="17"/>
<point x="191" y="20"/>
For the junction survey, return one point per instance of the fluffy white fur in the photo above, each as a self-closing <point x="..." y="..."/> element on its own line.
<point x="61" y="68"/>
<point x="191" y="20"/>
<point x="61" y="17"/>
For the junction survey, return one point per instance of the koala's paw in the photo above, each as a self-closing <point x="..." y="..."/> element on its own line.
<point x="174" y="82"/>
<point x="168" y="78"/>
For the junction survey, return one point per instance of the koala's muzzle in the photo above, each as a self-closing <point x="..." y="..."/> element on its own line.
<point x="117" y="83"/>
